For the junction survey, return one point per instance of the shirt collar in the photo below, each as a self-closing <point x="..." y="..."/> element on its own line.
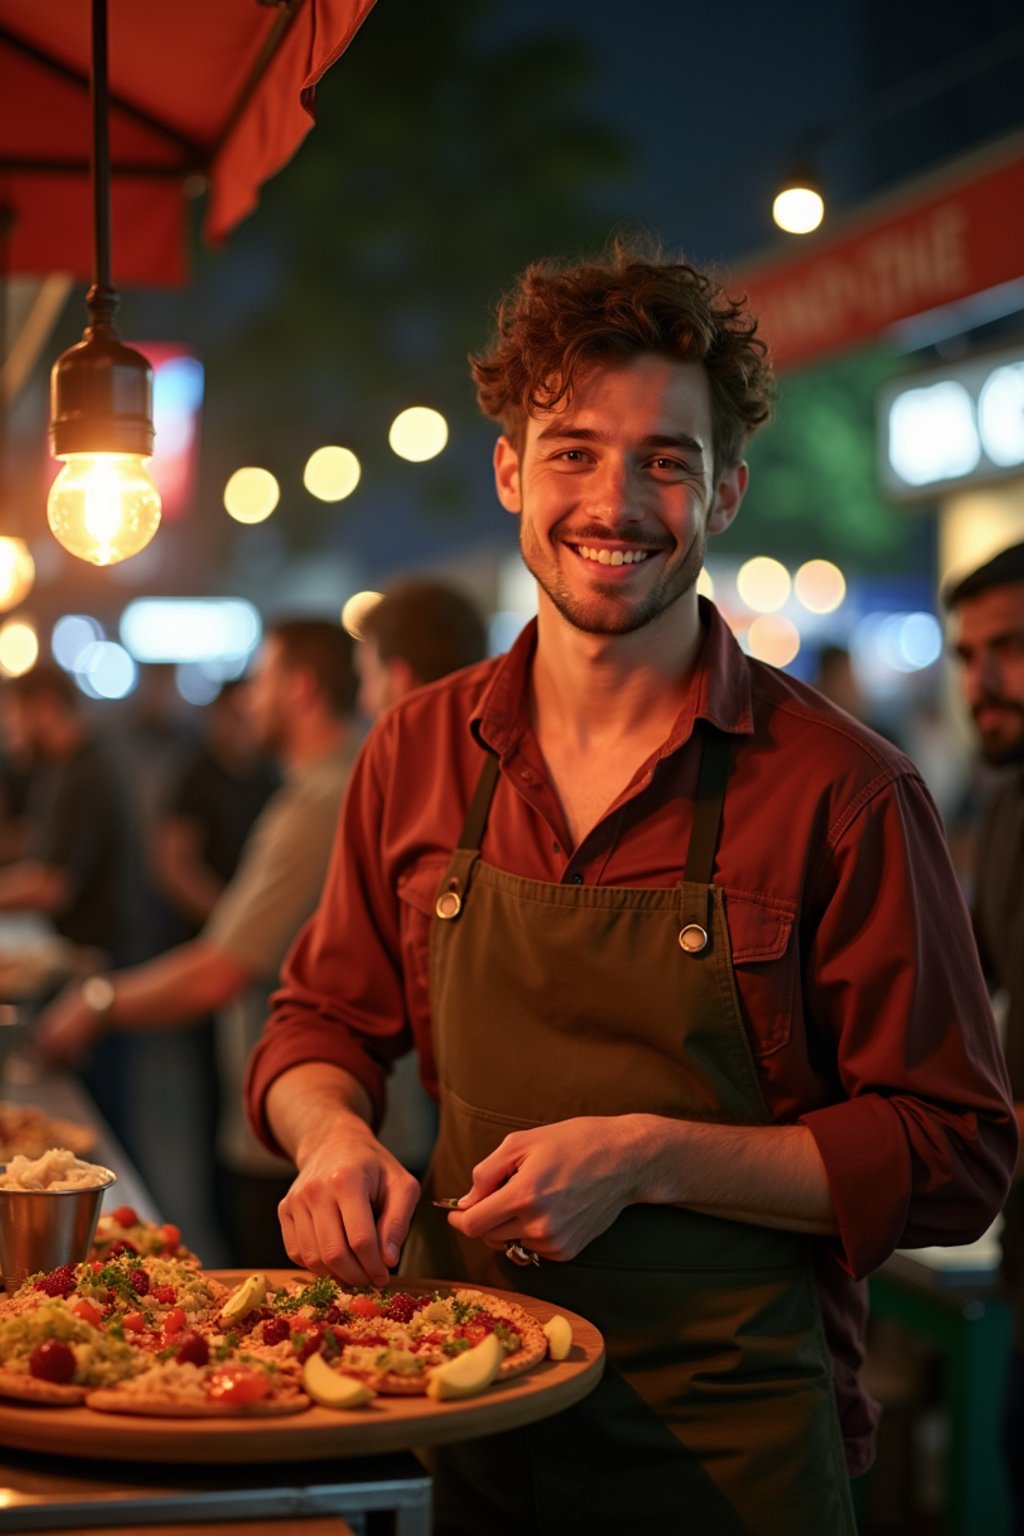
<point x="720" y="691"/>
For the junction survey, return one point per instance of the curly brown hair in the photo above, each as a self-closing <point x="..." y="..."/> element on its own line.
<point x="558" y="320"/>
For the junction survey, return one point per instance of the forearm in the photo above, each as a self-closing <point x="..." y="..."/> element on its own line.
<point x="183" y="877"/>
<point x="308" y="1103"/>
<point x="176" y="988"/>
<point x="769" y="1176"/>
<point x="33" y="886"/>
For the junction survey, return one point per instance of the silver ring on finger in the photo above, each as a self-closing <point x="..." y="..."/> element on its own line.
<point x="515" y="1251"/>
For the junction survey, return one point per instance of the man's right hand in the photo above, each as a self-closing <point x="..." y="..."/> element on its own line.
<point x="348" y="1212"/>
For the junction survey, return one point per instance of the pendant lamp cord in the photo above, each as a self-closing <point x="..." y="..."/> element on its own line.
<point x="102" y="298"/>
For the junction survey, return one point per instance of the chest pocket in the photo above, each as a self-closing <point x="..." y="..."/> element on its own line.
<point x="417" y="893"/>
<point x="766" y="964"/>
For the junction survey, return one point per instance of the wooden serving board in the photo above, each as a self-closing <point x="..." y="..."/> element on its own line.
<point x="385" y="1424"/>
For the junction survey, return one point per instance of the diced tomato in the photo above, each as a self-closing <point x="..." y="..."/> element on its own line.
<point x="364" y="1306"/>
<point x="87" y="1312"/>
<point x="474" y="1332"/>
<point x="433" y="1337"/>
<point x="239" y="1384"/>
<point x="125" y="1216"/>
<point x="97" y="1265"/>
<point x="170" y="1235"/>
<point x="165" y="1295"/>
<point x="134" y="1322"/>
<point x="174" y="1321"/>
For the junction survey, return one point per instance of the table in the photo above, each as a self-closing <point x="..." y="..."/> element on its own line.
<point x="951" y="1298"/>
<point x="380" y="1494"/>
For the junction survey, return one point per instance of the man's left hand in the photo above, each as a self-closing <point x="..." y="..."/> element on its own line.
<point x="556" y="1187"/>
<point x="67" y="1028"/>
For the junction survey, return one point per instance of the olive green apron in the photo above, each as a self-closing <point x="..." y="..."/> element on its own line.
<point x="716" y="1413"/>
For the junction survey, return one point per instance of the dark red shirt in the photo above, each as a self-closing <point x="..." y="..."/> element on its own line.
<point x="855" y="963"/>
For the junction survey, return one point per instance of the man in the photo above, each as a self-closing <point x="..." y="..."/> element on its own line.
<point x="78" y="866"/>
<point x="219" y="788"/>
<point x="988" y="618"/>
<point x="691" y="1047"/>
<point x="419" y="631"/>
<point x="302" y="696"/>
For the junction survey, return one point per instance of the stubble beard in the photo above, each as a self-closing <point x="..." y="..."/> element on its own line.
<point x="611" y="611"/>
<point x="1003" y="751"/>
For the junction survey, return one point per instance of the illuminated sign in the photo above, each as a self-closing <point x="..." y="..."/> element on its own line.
<point x="954" y="426"/>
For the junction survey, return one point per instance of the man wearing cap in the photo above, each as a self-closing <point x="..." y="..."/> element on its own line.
<point x="987" y="609"/>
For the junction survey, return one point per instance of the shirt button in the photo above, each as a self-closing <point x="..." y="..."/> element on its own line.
<point x="577" y="879"/>
<point x="524" y="773"/>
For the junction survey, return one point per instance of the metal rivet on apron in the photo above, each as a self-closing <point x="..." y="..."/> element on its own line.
<point x="693" y="939"/>
<point x="448" y="905"/>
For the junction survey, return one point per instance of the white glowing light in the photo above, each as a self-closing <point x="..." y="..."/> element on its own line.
<point x="355" y="610"/>
<point x="19" y="647"/>
<point x="106" y="671"/>
<point x="251" y="494"/>
<point x="161" y="629"/>
<point x="17" y="571"/>
<point x="331" y="473"/>
<point x="820" y="586"/>
<point x="798" y="210"/>
<point x="71" y="634"/>
<point x="705" y="585"/>
<point x="1001" y="415"/>
<point x="763" y="584"/>
<point x="773" y="638"/>
<point x="932" y="433"/>
<point x="418" y="434"/>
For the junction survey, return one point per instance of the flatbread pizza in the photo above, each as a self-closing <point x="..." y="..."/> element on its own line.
<point x="157" y="1336"/>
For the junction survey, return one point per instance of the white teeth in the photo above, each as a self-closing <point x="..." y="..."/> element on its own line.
<point x="615" y="556"/>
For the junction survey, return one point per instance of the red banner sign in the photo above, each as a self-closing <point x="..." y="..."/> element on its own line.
<point x="928" y="246"/>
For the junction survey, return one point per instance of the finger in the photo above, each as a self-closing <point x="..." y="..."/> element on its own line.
<point x="353" y="1249"/>
<point x="490" y="1174"/>
<point x="490" y="1214"/>
<point x="393" y="1223"/>
<point x="303" y="1247"/>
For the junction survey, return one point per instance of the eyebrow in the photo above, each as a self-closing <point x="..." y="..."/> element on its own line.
<point x="554" y="431"/>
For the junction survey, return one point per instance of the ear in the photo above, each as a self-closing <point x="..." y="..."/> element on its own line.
<point x="506" y="475"/>
<point x="728" y="494"/>
<point x="401" y="677"/>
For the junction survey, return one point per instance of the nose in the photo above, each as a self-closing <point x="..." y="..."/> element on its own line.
<point x="984" y="676"/>
<point x="614" y="493"/>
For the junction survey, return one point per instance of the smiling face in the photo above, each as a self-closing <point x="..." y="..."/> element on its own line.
<point x="990" y="646"/>
<point x="615" y="494"/>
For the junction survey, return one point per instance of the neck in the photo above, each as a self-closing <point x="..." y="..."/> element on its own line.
<point x="311" y="738"/>
<point x="592" y="689"/>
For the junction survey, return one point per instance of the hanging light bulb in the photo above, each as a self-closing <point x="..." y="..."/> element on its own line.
<point x="798" y="207"/>
<point x="103" y="507"/>
<point x="17" y="572"/>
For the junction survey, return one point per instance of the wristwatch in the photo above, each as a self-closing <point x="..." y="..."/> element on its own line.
<point x="98" y="995"/>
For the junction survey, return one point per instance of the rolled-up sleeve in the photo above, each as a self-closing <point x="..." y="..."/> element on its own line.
<point x="921" y="1144"/>
<point x="341" y="997"/>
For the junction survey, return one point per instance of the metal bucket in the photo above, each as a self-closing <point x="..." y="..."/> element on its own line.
<point x="42" y="1228"/>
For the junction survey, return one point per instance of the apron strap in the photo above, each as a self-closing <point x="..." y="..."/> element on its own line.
<point x="472" y="833"/>
<point x="715" y="758"/>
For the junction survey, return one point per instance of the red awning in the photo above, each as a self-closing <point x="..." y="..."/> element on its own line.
<point x="929" y="244"/>
<point x="215" y="89"/>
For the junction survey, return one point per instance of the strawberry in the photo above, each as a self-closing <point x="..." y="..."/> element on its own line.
<point x="52" y="1361"/>
<point x="59" y="1282"/>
